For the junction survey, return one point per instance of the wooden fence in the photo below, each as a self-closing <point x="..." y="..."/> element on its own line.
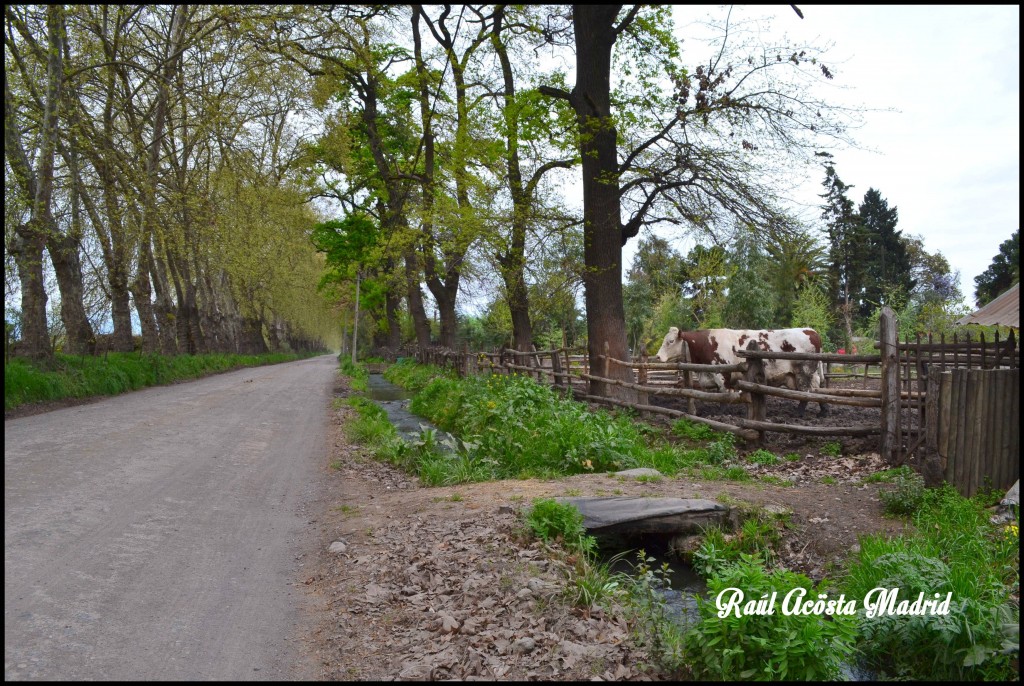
<point x="680" y="379"/>
<point x="947" y="424"/>
<point x="955" y="415"/>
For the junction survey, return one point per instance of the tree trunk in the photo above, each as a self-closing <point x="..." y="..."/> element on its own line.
<point x="415" y="300"/>
<point x="391" y="305"/>
<point x="143" y="294"/>
<point x="28" y="256"/>
<point x="602" y="226"/>
<point x="63" y="251"/>
<point x="519" y="308"/>
<point x="36" y="183"/>
<point x="445" y="298"/>
<point x="166" y="317"/>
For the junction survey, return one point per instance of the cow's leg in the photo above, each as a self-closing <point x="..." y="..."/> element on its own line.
<point x="816" y="377"/>
<point x="792" y="384"/>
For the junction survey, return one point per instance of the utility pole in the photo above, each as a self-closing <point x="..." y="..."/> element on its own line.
<point x="355" y="322"/>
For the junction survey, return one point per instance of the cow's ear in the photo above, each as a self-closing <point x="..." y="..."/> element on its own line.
<point x="679" y="335"/>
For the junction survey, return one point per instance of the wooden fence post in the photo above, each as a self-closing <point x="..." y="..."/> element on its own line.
<point x="931" y="463"/>
<point x="556" y="367"/>
<point x="755" y="374"/>
<point x="641" y="378"/>
<point x="890" y="385"/>
<point x="691" y="404"/>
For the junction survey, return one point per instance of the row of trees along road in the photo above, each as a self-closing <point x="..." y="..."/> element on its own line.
<point x="151" y="161"/>
<point x="189" y="159"/>
<point x="445" y="125"/>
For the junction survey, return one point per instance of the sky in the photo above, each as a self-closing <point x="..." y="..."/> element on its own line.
<point x="940" y="86"/>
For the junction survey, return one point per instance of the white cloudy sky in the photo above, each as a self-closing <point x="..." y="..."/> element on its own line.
<point x="948" y="155"/>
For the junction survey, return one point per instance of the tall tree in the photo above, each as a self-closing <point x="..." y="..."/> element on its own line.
<point x="596" y="29"/>
<point x="886" y="264"/>
<point x="846" y="242"/>
<point x="519" y="110"/>
<point x="1001" y="274"/>
<point x="36" y="181"/>
<point x="693" y="156"/>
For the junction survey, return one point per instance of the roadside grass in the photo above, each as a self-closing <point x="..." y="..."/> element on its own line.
<point x="370" y="427"/>
<point x="76" y="376"/>
<point x="357" y="374"/>
<point x="512" y="427"/>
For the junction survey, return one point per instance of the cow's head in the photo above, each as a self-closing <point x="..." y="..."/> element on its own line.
<point x="672" y="346"/>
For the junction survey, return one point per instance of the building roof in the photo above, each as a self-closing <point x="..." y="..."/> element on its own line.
<point x="1004" y="311"/>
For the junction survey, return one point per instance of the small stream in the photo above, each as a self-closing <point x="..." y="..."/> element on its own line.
<point x="394" y="400"/>
<point x="685" y="585"/>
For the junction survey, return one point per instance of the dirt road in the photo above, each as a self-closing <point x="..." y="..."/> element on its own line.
<point x="159" y="534"/>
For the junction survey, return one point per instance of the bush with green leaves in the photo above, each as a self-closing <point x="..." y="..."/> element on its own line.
<point x="528" y="429"/>
<point x="756" y="539"/>
<point x="907" y="496"/>
<point x="370" y="427"/>
<point x="408" y="374"/>
<point x="762" y="456"/>
<point x="832" y="448"/>
<point x="694" y="431"/>
<point x="797" y="647"/>
<point x="358" y="377"/>
<point x="551" y="520"/>
<point x="953" y="548"/>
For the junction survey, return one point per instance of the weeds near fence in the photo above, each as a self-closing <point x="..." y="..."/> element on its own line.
<point x="87" y="376"/>
<point x="954" y="549"/>
<point x="778" y="646"/>
<point x="513" y="427"/>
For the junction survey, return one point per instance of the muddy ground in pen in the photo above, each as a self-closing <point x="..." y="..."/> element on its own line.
<point x="439" y="583"/>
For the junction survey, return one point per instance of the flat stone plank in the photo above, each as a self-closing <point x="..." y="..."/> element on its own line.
<point x="639" y="471"/>
<point x="626" y="514"/>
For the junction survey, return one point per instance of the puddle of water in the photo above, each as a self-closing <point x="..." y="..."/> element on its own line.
<point x="379" y="388"/>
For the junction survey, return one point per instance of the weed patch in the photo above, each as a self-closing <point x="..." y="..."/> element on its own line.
<point x="955" y="550"/>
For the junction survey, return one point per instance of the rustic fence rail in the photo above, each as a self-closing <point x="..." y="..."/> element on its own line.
<point x="936" y="411"/>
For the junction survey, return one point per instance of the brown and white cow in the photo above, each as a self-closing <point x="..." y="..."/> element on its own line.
<point x="719" y="346"/>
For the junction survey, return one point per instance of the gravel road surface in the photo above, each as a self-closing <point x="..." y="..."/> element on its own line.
<point x="159" y="534"/>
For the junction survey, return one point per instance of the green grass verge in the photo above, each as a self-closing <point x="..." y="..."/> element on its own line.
<point x="512" y="427"/>
<point x="359" y="378"/>
<point x="83" y="377"/>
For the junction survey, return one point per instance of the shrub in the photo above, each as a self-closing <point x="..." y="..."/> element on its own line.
<point x="794" y="647"/>
<point x="907" y="496"/>
<point x="755" y="540"/>
<point x="694" y="430"/>
<point x="359" y="378"/>
<point x="551" y="520"/>
<point x="832" y="448"/>
<point x="762" y="456"/>
<point x="954" y="549"/>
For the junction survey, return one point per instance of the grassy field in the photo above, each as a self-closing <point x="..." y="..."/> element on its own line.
<point x="84" y="377"/>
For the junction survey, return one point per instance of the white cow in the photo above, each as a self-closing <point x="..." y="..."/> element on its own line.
<point x="719" y="346"/>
